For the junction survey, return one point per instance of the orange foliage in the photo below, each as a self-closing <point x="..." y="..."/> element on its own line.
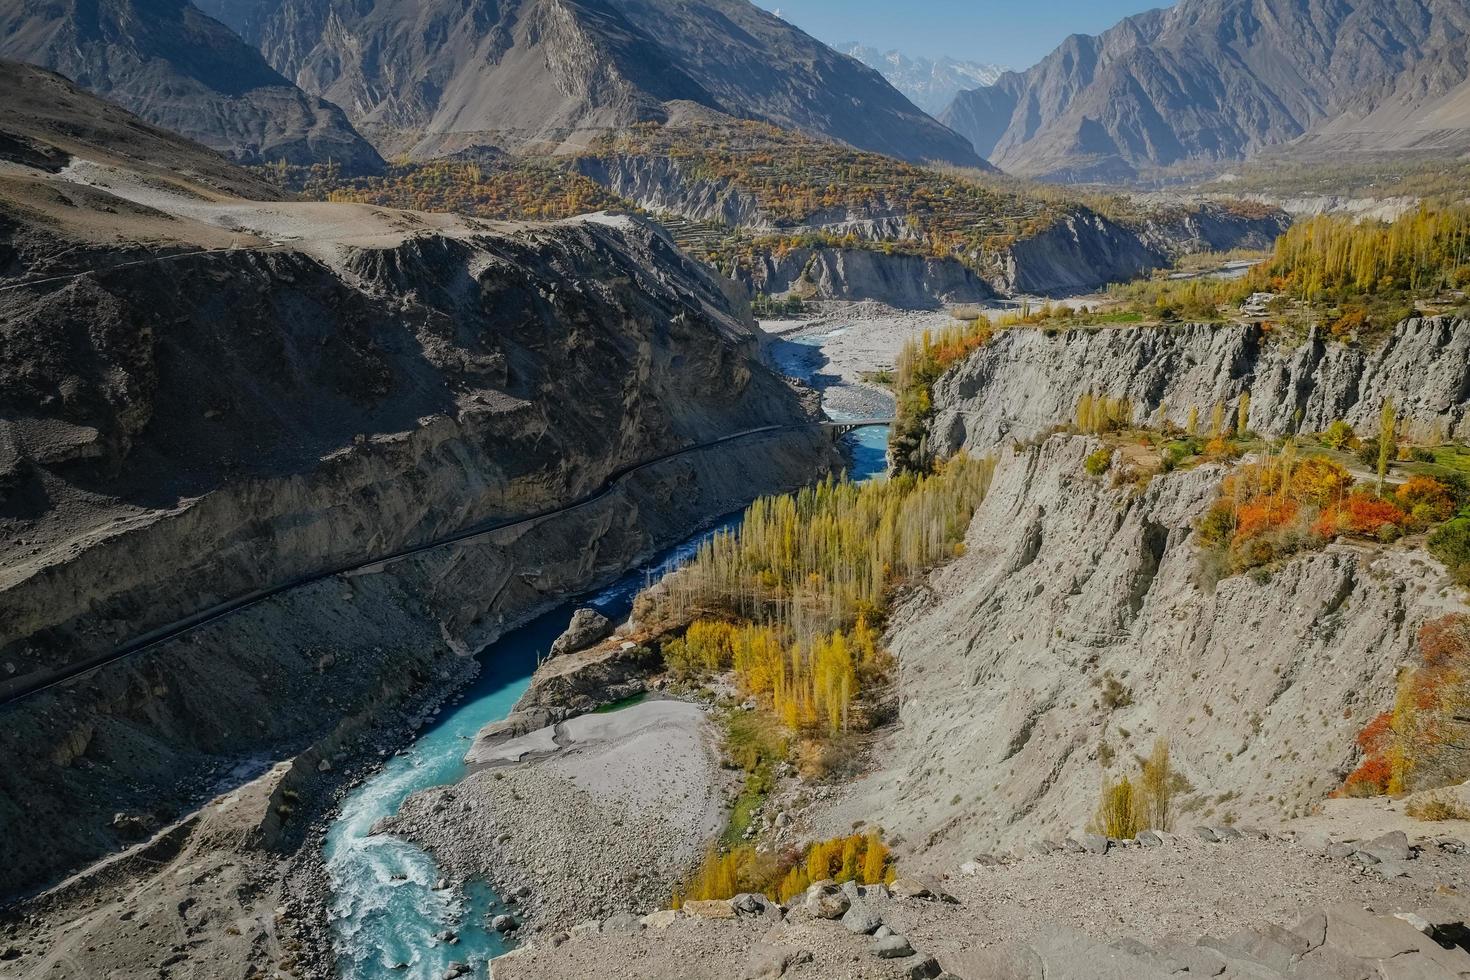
<point x="1320" y="481"/>
<point x="1445" y="641"/>
<point x="1427" y="500"/>
<point x="1262" y="514"/>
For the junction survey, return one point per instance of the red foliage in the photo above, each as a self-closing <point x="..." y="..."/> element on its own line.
<point x="1370" y="778"/>
<point x="1263" y="514"/>
<point x="1445" y="642"/>
<point x="1362" y="514"/>
<point x="1425" y="492"/>
<point x="1374" y="736"/>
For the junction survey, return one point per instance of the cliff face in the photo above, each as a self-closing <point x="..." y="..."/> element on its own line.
<point x="169" y="441"/>
<point x="906" y="281"/>
<point x="1028" y="380"/>
<point x="1260" y="684"/>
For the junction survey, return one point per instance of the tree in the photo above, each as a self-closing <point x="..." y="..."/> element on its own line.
<point x="1157" y="786"/>
<point x="1243" y="415"/>
<point x="1118" y="814"/>
<point x="1387" y="440"/>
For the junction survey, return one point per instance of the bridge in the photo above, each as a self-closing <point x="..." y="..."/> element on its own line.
<point x="842" y="428"/>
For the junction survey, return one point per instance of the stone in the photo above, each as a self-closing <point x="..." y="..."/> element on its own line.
<point x="587" y="627"/>
<point x="455" y="970"/>
<point x="1095" y="843"/>
<point x="927" y="969"/>
<point x="1150" y="839"/>
<point x="1207" y="835"/>
<point x="661" y="919"/>
<point x="1367" y="936"/>
<point x="910" y="888"/>
<point x="860" y="918"/>
<point x="1390" y="847"/>
<point x="586" y="929"/>
<point x="504" y="923"/>
<point x="969" y="869"/>
<point x="1072" y="847"/>
<point x="718" y="908"/>
<point x="891" y="947"/>
<point x="1393" y="869"/>
<point x="1417" y="921"/>
<point x="826" y="901"/>
<point x="1312" y="928"/>
<point x="852" y="891"/>
<point x="1198" y="960"/>
<point x="749" y="903"/>
<point x="1339" y="851"/>
<point x="882" y="932"/>
<point x="1226" y="832"/>
<point x="622" y="922"/>
<point x="766" y="962"/>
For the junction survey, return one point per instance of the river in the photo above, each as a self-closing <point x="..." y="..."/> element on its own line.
<point x="387" y="918"/>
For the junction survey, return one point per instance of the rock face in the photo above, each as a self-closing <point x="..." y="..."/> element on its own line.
<point x="1202" y="81"/>
<point x="586" y="628"/>
<point x="182" y="70"/>
<point x="285" y="415"/>
<point x="548" y="73"/>
<point x="905" y="281"/>
<point x="1027" y="381"/>
<point x="1070" y="587"/>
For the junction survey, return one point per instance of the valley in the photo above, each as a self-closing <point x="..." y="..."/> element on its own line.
<point x="645" y="488"/>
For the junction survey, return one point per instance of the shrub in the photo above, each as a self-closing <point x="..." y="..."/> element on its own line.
<point x="1097" y="463"/>
<point x="1338" y="435"/>
<point x="1438" y="808"/>
<point x="1118" y="812"/>
<point x="1451" y="544"/>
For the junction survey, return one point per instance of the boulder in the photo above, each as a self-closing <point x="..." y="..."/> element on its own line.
<point x="826" y="901"/>
<point x="718" y="908"/>
<point x="1226" y="832"/>
<point x="891" y="947"/>
<point x="585" y="929"/>
<point x="1207" y="835"/>
<point x="1150" y="839"/>
<point x="1095" y="843"/>
<point x="927" y="969"/>
<point x="504" y="923"/>
<point x="860" y="918"/>
<point x="587" y="627"/>
<point x="622" y="922"/>
<point x="1390" y="847"/>
<point x="910" y="888"/>
<point x="661" y="919"/>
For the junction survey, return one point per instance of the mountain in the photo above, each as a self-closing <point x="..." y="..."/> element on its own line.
<point x="184" y="71"/>
<point x="1427" y="108"/>
<point x="930" y="83"/>
<point x="1205" y="80"/>
<point x="430" y="79"/>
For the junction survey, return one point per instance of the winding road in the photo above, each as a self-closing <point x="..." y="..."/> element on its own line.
<point x="18" y="689"/>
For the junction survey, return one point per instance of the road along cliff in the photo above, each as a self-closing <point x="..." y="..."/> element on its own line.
<point x="253" y="417"/>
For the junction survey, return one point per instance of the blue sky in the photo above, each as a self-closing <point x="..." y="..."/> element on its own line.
<point x="1015" y="33"/>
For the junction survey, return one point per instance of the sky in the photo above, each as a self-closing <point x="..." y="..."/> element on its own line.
<point x="1013" y="33"/>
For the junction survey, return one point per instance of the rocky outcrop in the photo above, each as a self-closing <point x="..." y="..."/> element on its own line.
<point x="661" y="185"/>
<point x="906" y="281"/>
<point x="280" y="416"/>
<point x="586" y="628"/>
<point x="1027" y="381"/>
<point x="182" y="70"/>
<point x="1073" y="633"/>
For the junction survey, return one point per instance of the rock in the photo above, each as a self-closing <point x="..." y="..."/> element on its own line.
<point x="860" y="918"/>
<point x="749" y="903"/>
<point x="558" y="938"/>
<point x="622" y="922"/>
<point x="504" y="923"/>
<point x="1197" y="960"/>
<point x="134" y="825"/>
<point x="1338" y="850"/>
<point x="585" y="929"/>
<point x="928" y="969"/>
<point x="441" y="885"/>
<point x="1207" y="835"/>
<point x="1393" y="869"/>
<point x="710" y="909"/>
<point x="1226" y="832"/>
<point x="1417" y="921"/>
<point x="910" y="888"/>
<point x="1148" y="838"/>
<point x="661" y="919"/>
<point x="826" y="901"/>
<point x="766" y="962"/>
<point x="882" y="932"/>
<point x="969" y="869"/>
<point x="455" y="970"/>
<point x="1072" y="847"/>
<point x="891" y="947"/>
<point x="1095" y="843"/>
<point x="1390" y="847"/>
<point x="852" y="891"/>
<point x="587" y="627"/>
<point x="324" y="766"/>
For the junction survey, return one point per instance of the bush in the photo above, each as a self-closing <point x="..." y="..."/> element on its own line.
<point x="1438" y="808"/>
<point x="1451" y="545"/>
<point x="1338" y="435"/>
<point x="1368" y="452"/>
<point x="1097" y="463"/>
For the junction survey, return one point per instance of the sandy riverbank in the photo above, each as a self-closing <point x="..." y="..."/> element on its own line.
<point x="600" y="814"/>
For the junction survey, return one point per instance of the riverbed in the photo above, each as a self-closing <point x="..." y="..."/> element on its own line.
<point x="388" y="919"/>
